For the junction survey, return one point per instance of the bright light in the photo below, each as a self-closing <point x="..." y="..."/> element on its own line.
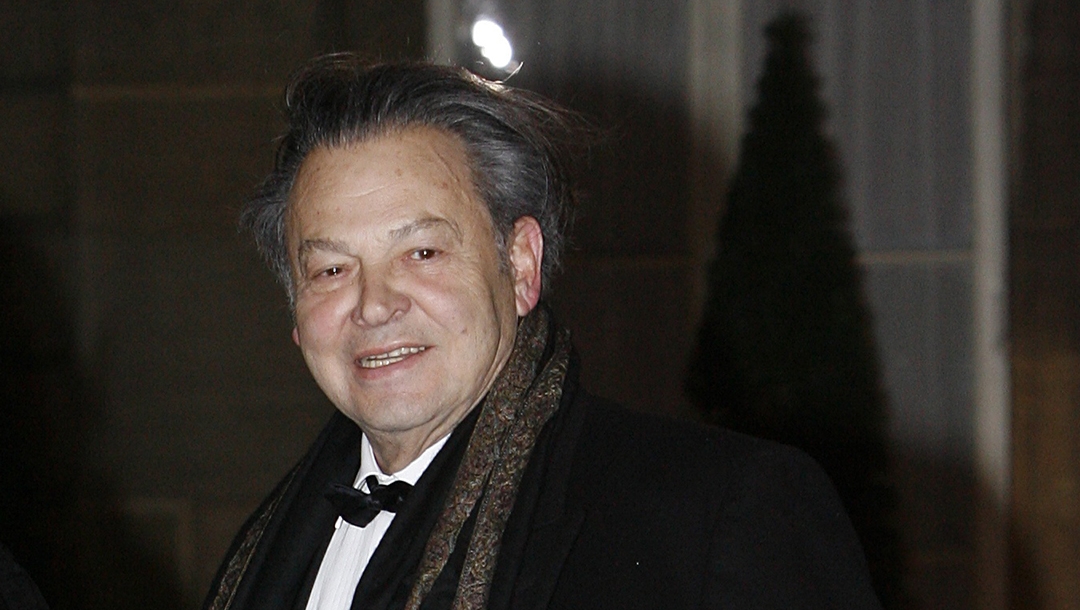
<point x="499" y="53"/>
<point x="493" y="44"/>
<point x="485" y="32"/>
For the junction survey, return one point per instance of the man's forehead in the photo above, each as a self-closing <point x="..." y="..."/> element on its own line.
<point x="419" y="158"/>
<point x="389" y="190"/>
<point x="422" y="144"/>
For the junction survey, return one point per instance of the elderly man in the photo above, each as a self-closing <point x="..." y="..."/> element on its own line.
<point x="415" y="214"/>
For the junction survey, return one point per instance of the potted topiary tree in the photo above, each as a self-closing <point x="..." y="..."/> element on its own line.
<point x="785" y="349"/>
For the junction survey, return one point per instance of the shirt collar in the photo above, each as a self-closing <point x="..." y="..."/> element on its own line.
<point x="410" y="474"/>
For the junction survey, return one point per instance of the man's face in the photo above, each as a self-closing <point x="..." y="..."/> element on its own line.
<point x="403" y="314"/>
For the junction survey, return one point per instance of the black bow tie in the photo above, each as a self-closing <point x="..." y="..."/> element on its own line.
<point x="358" y="507"/>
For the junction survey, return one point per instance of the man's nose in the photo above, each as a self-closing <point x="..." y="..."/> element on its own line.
<point x="380" y="300"/>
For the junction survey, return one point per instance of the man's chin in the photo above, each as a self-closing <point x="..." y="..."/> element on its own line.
<point x="392" y="419"/>
<point x="405" y="420"/>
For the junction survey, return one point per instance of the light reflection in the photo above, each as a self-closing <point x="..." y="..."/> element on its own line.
<point x="493" y="44"/>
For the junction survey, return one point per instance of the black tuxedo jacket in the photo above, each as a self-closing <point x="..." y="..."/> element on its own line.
<point x="615" y="510"/>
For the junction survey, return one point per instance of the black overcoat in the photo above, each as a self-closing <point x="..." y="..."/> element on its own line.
<point x="616" y="510"/>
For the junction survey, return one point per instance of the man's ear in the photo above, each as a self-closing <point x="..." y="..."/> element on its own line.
<point x="296" y="336"/>
<point x="526" y="256"/>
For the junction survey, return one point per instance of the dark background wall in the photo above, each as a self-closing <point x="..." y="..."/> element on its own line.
<point x="151" y="395"/>
<point x="1045" y="316"/>
<point x="150" y="391"/>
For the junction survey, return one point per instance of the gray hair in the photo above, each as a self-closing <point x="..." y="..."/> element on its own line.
<point x="518" y="145"/>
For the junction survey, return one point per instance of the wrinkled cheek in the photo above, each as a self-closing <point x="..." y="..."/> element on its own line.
<point x="319" y="346"/>
<point x="330" y="375"/>
<point x="319" y="327"/>
<point x="316" y="363"/>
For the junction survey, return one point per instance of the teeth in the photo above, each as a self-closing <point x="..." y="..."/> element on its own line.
<point x="397" y="355"/>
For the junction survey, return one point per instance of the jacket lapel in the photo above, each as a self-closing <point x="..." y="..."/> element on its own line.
<point x="537" y="542"/>
<point x="388" y="577"/>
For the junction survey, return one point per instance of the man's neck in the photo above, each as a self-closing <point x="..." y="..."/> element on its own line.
<point x="410" y="473"/>
<point x="394" y="452"/>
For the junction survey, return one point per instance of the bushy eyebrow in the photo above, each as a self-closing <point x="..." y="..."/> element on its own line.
<point x="421" y="224"/>
<point x="310" y="245"/>
<point x="339" y="247"/>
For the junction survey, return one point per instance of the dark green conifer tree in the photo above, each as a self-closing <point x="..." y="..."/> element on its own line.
<point x="785" y="350"/>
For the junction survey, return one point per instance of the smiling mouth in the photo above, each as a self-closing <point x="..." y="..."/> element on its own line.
<point x="390" y="357"/>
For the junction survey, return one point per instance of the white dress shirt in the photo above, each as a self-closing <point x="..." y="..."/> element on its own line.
<point x="351" y="547"/>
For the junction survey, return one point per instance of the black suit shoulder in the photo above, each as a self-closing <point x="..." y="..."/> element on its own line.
<point x="622" y="448"/>
<point x="681" y="515"/>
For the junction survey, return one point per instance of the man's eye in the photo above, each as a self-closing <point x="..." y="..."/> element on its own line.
<point x="331" y="272"/>
<point x="424" y="254"/>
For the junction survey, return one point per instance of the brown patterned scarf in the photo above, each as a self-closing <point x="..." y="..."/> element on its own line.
<point x="525" y="395"/>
